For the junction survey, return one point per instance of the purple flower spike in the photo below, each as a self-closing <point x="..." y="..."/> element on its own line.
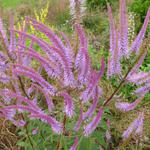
<point x="140" y="78"/>
<point x="57" y="127"/>
<point x="75" y="144"/>
<point x="125" y="106"/>
<point x="123" y="29"/>
<point x="91" y="110"/>
<point x="138" y="41"/>
<point x="88" y="129"/>
<point x="85" y="95"/>
<point x="78" y="124"/>
<point x="68" y="104"/>
<point x="132" y="129"/>
<point x="112" y="29"/>
<point x="35" y="131"/>
<point x="47" y="97"/>
<point x="143" y="90"/>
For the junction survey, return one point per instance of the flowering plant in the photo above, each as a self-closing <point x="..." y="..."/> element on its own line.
<point x="71" y="88"/>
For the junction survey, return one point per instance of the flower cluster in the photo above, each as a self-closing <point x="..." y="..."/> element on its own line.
<point x="66" y="72"/>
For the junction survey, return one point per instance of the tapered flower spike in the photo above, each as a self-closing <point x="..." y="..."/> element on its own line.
<point x="78" y="124"/>
<point x="75" y="144"/>
<point x="108" y="136"/>
<point x="55" y="53"/>
<point x="138" y="41"/>
<point x="57" y="127"/>
<point x="34" y="76"/>
<point x="91" y="110"/>
<point x="51" y="70"/>
<point x="123" y="29"/>
<point x="35" y="131"/>
<point x="83" y="60"/>
<point x="47" y="97"/>
<point x="139" y="130"/>
<point x="134" y="127"/>
<point x="112" y="29"/>
<point x="85" y="95"/>
<point x="68" y="104"/>
<point x="88" y="129"/>
<point x="5" y="92"/>
<point x="143" y="90"/>
<point x="137" y="66"/>
<point x="52" y="36"/>
<point x="125" y="106"/>
<point x="140" y="78"/>
<point x="109" y="71"/>
<point x="115" y="62"/>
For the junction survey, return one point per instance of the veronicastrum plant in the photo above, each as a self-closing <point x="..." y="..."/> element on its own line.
<point x="72" y="105"/>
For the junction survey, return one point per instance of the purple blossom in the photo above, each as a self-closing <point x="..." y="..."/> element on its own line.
<point x="134" y="127"/>
<point x="47" y="97"/>
<point x="75" y="144"/>
<point x="35" y="131"/>
<point x="78" y="124"/>
<point x="57" y="127"/>
<point x="123" y="30"/>
<point x="68" y="104"/>
<point x="138" y="41"/>
<point x="140" y="78"/>
<point x="88" y="129"/>
<point x="85" y="95"/>
<point x="125" y="106"/>
<point x="91" y="110"/>
<point x="143" y="90"/>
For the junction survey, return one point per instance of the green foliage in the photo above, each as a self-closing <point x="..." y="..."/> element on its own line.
<point x="140" y="8"/>
<point x="44" y="139"/>
<point x="93" y="4"/>
<point x="14" y="3"/>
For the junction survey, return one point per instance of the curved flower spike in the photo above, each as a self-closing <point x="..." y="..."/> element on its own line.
<point x="88" y="129"/>
<point x="75" y="144"/>
<point x="78" y="124"/>
<point x="68" y="104"/>
<point x="138" y="41"/>
<point x="57" y="127"/>
<point x="91" y="110"/>
<point x="125" y="106"/>
<point x="136" y="126"/>
<point x="140" y="78"/>
<point x="123" y="29"/>
<point x="143" y="90"/>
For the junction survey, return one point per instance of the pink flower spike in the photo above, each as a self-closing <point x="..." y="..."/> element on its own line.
<point x="133" y="127"/>
<point x="75" y="144"/>
<point x="112" y="29"/>
<point x="57" y="127"/>
<point x="123" y="29"/>
<point x="68" y="104"/>
<point x="78" y="124"/>
<point x="143" y="90"/>
<point x="88" y="129"/>
<point x="35" y="131"/>
<point x="125" y="106"/>
<point x="91" y="110"/>
<point x="138" y="41"/>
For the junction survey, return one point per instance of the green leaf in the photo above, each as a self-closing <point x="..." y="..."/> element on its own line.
<point x="21" y="144"/>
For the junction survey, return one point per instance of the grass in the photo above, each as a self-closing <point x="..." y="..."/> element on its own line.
<point x="15" y="3"/>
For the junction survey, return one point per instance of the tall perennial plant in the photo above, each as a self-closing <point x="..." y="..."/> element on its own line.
<point x="71" y="87"/>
